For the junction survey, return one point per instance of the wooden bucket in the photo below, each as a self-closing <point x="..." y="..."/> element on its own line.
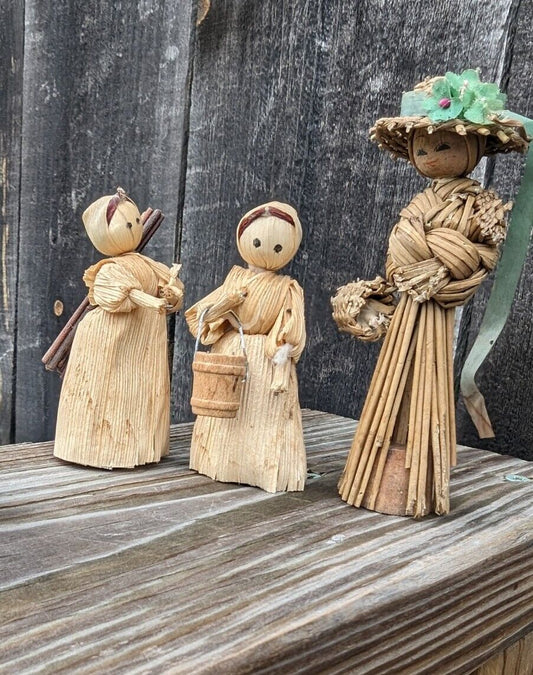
<point x="217" y="380"/>
<point x="217" y="384"/>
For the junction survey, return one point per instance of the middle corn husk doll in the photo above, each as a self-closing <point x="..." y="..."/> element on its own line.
<point x="263" y="445"/>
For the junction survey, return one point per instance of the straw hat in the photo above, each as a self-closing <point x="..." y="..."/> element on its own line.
<point x="459" y="103"/>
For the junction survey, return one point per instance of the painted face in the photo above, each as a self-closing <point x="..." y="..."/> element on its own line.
<point x="268" y="241"/>
<point x="443" y="154"/>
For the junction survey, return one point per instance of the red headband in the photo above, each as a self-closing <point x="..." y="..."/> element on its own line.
<point x="264" y="211"/>
<point x="115" y="200"/>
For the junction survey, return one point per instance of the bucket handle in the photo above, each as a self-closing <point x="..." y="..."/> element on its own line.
<point x="241" y="335"/>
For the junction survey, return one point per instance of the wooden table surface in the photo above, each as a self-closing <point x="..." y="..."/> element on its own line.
<point x="159" y="569"/>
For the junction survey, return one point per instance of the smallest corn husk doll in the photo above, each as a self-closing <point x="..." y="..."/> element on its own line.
<point x="114" y="405"/>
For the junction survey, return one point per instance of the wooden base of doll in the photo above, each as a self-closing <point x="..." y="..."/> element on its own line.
<point x="392" y="496"/>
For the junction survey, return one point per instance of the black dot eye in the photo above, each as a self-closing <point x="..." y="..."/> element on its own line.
<point x="278" y="248"/>
<point x="421" y="152"/>
<point x="137" y="220"/>
<point x="257" y="243"/>
<point x="442" y="146"/>
<point x="129" y="226"/>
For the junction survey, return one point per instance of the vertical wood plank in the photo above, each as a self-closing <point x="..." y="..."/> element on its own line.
<point x="11" y="58"/>
<point x="505" y="377"/>
<point x="283" y="96"/>
<point x="515" y="660"/>
<point x="104" y="105"/>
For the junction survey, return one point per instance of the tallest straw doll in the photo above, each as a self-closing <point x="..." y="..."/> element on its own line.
<point x="443" y="246"/>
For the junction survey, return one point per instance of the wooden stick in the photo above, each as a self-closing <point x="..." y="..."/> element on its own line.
<point x="417" y="386"/>
<point x="450" y="321"/>
<point x="421" y="505"/>
<point x="402" y="423"/>
<point x="55" y="353"/>
<point x="441" y="462"/>
<point x="379" y="389"/>
<point x="435" y="439"/>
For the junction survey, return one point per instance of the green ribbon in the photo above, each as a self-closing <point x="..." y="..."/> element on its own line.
<point x="503" y="290"/>
<point x="413" y="104"/>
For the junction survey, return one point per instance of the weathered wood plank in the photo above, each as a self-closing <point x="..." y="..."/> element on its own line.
<point x="11" y="57"/>
<point x="505" y="378"/>
<point x="158" y="569"/>
<point x="515" y="660"/>
<point x="105" y="104"/>
<point x="285" y="114"/>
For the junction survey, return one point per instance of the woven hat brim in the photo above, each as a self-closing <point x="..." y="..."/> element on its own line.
<point x="392" y="133"/>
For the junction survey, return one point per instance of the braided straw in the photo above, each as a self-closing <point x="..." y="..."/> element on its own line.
<point x="446" y="251"/>
<point x="364" y="308"/>
<point x="441" y="249"/>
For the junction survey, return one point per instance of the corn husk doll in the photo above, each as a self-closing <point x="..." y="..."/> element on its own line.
<point x="443" y="246"/>
<point x="263" y="445"/>
<point x="114" y="409"/>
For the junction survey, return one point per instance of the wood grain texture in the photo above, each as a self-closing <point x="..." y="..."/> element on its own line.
<point x="105" y="104"/>
<point x="504" y="378"/>
<point x="162" y="570"/>
<point x="515" y="660"/>
<point x="11" y="58"/>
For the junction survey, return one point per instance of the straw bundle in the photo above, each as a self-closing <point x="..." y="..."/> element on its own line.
<point x="442" y="248"/>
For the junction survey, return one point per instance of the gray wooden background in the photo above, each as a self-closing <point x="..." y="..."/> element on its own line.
<point x="263" y="100"/>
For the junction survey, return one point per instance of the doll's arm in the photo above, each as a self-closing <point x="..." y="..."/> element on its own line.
<point x="282" y="363"/>
<point x="227" y="300"/>
<point x="115" y="289"/>
<point x="286" y="340"/>
<point x="364" y="308"/>
<point x="173" y="291"/>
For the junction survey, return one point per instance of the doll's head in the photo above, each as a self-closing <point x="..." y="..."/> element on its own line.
<point x="113" y="224"/>
<point x="444" y="153"/>
<point x="269" y="235"/>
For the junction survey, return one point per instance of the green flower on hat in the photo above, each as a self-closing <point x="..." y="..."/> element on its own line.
<point x="465" y="97"/>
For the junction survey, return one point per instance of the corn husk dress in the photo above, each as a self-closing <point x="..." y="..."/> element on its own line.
<point x="263" y="445"/>
<point x="114" y="409"/>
